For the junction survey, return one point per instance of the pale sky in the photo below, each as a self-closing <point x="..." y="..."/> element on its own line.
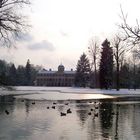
<point x="61" y="30"/>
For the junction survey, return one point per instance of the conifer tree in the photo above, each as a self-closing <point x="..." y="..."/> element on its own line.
<point x="12" y="75"/>
<point x="82" y="71"/>
<point x="3" y="72"/>
<point x="106" y="65"/>
<point x="21" y="80"/>
<point x="28" y="73"/>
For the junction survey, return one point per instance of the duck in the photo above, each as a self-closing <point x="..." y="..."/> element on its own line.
<point x="69" y="111"/>
<point x="96" y="114"/>
<point x="66" y="103"/>
<point x="112" y="113"/>
<point x="63" y="114"/>
<point x="53" y="107"/>
<point x="7" y="112"/>
<point x="48" y="107"/>
<point x="96" y="107"/>
<point x="54" y="103"/>
<point x="91" y="109"/>
<point x="33" y="103"/>
<point x="89" y="113"/>
<point x="22" y="100"/>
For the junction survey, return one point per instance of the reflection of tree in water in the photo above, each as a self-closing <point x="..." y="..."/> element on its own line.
<point x="82" y="111"/>
<point x="6" y="103"/>
<point x="106" y="110"/>
<point x="127" y="124"/>
<point x="106" y="118"/>
<point x="61" y="108"/>
<point x="116" y="122"/>
<point x="27" y="106"/>
<point x="135" y="119"/>
<point x="6" y="99"/>
<point x="82" y="114"/>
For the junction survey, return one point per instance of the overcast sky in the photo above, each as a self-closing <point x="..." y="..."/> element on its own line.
<point x="61" y="30"/>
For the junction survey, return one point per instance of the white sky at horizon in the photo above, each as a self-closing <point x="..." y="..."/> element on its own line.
<point x="62" y="29"/>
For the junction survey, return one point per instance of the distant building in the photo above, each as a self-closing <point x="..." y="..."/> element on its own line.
<point x="55" y="78"/>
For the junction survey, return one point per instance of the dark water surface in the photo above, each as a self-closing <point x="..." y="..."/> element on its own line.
<point x="22" y="119"/>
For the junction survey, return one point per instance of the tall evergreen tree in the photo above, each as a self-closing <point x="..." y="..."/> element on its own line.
<point x="82" y="71"/>
<point x="106" y="65"/>
<point x="12" y="77"/>
<point x="21" y="75"/>
<point x="3" y="72"/>
<point x="28" y="73"/>
<point x="33" y="74"/>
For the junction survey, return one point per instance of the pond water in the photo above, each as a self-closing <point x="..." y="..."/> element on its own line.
<point x="28" y="119"/>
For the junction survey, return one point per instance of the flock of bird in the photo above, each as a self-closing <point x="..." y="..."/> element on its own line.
<point x="61" y="113"/>
<point x="93" y="111"/>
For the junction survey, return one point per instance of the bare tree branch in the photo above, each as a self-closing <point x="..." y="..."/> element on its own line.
<point x="12" y="22"/>
<point x="119" y="48"/>
<point x="132" y="34"/>
<point x="94" y="50"/>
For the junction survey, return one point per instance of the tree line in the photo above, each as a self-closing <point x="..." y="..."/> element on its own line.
<point x="106" y="67"/>
<point x="113" y="70"/>
<point x="116" y="64"/>
<point x="20" y="76"/>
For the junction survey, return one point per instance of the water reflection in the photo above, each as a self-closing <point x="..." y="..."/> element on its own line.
<point x="106" y="118"/>
<point x="27" y="106"/>
<point x="6" y="103"/>
<point x="106" y="115"/>
<point x="115" y="120"/>
<point x="82" y="112"/>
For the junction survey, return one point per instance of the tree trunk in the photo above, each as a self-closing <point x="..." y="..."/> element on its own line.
<point x="95" y="75"/>
<point x="118" y="72"/>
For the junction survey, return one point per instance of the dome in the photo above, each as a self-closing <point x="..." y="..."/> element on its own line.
<point x="61" y="68"/>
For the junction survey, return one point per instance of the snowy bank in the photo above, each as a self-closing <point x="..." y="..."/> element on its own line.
<point x="67" y="93"/>
<point x="33" y="90"/>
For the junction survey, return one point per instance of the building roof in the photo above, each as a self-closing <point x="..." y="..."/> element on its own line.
<point x="61" y="68"/>
<point x="46" y="72"/>
<point x="43" y="71"/>
<point x="69" y="72"/>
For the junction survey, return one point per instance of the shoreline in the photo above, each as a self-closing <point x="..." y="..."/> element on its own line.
<point x="74" y="90"/>
<point x="72" y="93"/>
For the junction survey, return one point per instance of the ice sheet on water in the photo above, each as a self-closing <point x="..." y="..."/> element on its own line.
<point x="36" y="89"/>
<point x="64" y="96"/>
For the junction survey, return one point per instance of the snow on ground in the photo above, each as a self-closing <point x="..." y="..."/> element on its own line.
<point x="78" y="90"/>
<point x="66" y="93"/>
<point x="33" y="89"/>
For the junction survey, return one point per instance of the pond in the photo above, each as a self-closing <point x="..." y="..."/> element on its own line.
<point x="88" y="119"/>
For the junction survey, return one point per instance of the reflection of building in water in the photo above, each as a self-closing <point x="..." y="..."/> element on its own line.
<point x="55" y="78"/>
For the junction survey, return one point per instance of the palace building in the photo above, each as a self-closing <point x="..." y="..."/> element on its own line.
<point x="55" y="78"/>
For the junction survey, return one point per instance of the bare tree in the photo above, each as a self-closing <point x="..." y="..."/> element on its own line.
<point x="134" y="60"/>
<point x="119" y="48"/>
<point x="94" y="50"/>
<point x="12" y="20"/>
<point x="135" y="63"/>
<point x="132" y="33"/>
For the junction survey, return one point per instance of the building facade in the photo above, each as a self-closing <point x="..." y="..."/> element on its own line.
<point x="55" y="78"/>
